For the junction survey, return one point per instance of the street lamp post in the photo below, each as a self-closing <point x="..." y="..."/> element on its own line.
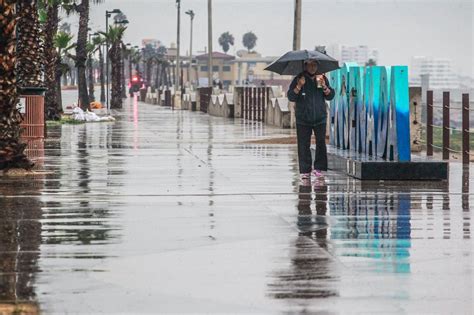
<point x="191" y="15"/>
<point x="91" y="71"/>
<point x="177" y="73"/>
<point x="209" y="39"/>
<point x="108" y="14"/>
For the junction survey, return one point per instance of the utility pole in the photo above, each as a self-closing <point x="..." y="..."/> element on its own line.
<point x="297" y="26"/>
<point x="209" y="39"/>
<point x="191" y="15"/>
<point x="178" y="71"/>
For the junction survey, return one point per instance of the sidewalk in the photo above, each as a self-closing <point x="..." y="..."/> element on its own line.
<point x="175" y="212"/>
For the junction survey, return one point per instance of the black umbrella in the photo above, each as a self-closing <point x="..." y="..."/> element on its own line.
<point x="292" y="63"/>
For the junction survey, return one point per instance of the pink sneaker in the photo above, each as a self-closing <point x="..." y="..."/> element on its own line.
<point x="305" y="176"/>
<point x="317" y="173"/>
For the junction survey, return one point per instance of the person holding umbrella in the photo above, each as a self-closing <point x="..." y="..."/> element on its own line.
<point x="310" y="92"/>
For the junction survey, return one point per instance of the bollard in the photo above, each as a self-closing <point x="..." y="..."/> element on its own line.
<point x="445" y="125"/>
<point x="465" y="129"/>
<point x="429" y="123"/>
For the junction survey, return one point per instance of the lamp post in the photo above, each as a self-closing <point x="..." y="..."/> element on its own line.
<point x="209" y="39"/>
<point x="108" y="14"/>
<point x="191" y="15"/>
<point x="177" y="75"/>
<point x="91" y="70"/>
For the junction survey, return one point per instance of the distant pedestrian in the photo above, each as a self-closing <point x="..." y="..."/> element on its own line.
<point x="310" y="93"/>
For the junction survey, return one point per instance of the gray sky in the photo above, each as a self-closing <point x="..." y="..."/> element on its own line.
<point x="400" y="29"/>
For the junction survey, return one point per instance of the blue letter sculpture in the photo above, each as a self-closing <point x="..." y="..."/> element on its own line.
<point x="370" y="112"/>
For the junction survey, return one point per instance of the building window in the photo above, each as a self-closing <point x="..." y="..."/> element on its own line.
<point x="215" y="68"/>
<point x="204" y="68"/>
<point x="226" y="68"/>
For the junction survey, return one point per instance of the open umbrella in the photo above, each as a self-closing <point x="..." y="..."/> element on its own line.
<point x="292" y="63"/>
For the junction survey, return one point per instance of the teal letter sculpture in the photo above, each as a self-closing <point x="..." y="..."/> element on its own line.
<point x="370" y="112"/>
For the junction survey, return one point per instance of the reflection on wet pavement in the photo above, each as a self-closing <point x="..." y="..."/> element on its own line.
<point x="171" y="211"/>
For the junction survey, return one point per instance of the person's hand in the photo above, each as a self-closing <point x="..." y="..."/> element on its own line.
<point x="301" y="82"/>
<point x="323" y="82"/>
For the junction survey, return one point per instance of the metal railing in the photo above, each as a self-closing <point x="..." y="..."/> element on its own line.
<point x="254" y="102"/>
<point x="446" y="129"/>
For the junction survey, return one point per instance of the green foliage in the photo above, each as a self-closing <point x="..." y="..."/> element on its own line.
<point x="249" y="40"/>
<point x="225" y="40"/>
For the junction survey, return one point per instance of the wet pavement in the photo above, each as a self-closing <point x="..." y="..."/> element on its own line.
<point x="172" y="212"/>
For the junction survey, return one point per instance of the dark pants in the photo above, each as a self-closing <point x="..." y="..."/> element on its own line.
<point x="304" y="134"/>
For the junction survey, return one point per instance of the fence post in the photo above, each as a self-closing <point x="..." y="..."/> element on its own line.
<point x="265" y="103"/>
<point x="246" y="103"/>
<point x="446" y="126"/>
<point x="465" y="129"/>
<point x="429" y="123"/>
<point x="259" y="102"/>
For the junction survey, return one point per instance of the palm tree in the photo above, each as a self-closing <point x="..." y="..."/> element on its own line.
<point x="29" y="45"/>
<point x="63" y="43"/>
<point x="11" y="149"/>
<point x="98" y="41"/>
<point x="50" y="8"/>
<point x="160" y="62"/>
<point x="114" y="37"/>
<point x="225" y="40"/>
<point x="81" y="49"/>
<point x="91" y="49"/>
<point x="249" y="40"/>
<point x="149" y="57"/>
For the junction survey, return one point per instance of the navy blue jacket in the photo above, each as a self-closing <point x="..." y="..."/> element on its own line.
<point x="310" y="102"/>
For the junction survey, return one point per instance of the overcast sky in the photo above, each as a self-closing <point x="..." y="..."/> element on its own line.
<point x="399" y="29"/>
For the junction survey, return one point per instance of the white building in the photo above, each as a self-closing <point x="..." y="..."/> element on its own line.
<point x="360" y="54"/>
<point x="438" y="70"/>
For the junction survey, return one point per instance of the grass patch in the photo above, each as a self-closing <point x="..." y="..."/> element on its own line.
<point x="455" y="142"/>
<point x="65" y="120"/>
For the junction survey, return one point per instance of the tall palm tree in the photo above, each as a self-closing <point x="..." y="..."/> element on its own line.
<point x="11" y="149"/>
<point x="81" y="49"/>
<point x="98" y="42"/>
<point x="225" y="40"/>
<point x="63" y="43"/>
<point x="149" y="57"/>
<point x="53" y="109"/>
<point x="90" y="69"/>
<point x="114" y="37"/>
<point x="160" y="61"/>
<point x="29" y="45"/>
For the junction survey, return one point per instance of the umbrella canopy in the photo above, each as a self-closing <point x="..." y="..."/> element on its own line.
<point x="292" y="63"/>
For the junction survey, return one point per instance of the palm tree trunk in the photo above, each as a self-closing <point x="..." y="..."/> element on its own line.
<point x="81" y="53"/>
<point x="116" y="97"/>
<point x="11" y="149"/>
<point x="30" y="48"/>
<point x="90" y="74"/>
<point x="158" y="71"/>
<point x="52" y="107"/>
<point x="102" y="77"/>
<point x="122" y="75"/>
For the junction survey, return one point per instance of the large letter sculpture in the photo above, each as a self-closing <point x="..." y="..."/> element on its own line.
<point x="356" y="108"/>
<point x="384" y="98"/>
<point x="370" y="112"/>
<point x="399" y="116"/>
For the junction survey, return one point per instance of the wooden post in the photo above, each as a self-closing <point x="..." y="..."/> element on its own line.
<point x="259" y="102"/>
<point x="254" y="104"/>
<point x="446" y="126"/>
<point x="429" y="123"/>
